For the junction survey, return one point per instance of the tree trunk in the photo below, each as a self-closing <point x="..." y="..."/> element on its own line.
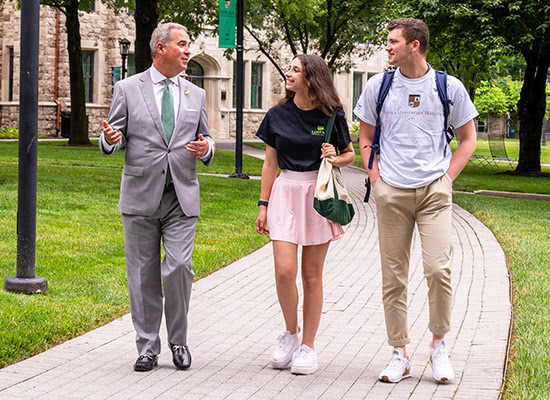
<point x="146" y="17"/>
<point x="531" y="108"/>
<point x="79" y="127"/>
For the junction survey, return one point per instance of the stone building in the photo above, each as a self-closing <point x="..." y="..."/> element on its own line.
<point x="101" y="31"/>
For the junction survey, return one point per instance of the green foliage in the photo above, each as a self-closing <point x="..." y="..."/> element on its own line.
<point x="83" y="5"/>
<point x="456" y="43"/>
<point x="8" y="133"/>
<point x="196" y="16"/>
<point x="354" y="129"/>
<point x="332" y="29"/>
<point x="512" y="89"/>
<point x="491" y="99"/>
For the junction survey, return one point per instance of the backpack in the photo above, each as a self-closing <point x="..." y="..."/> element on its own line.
<point x="440" y="83"/>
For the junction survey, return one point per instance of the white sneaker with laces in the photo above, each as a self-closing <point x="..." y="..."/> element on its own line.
<point x="397" y="369"/>
<point x="442" y="370"/>
<point x="305" y="361"/>
<point x="287" y="346"/>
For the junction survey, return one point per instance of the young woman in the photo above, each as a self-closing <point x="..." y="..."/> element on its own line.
<point x="294" y="135"/>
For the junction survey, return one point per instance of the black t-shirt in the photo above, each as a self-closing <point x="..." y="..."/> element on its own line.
<point x="297" y="135"/>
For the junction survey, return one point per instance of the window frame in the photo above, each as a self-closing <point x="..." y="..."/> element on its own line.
<point x="256" y="89"/>
<point x="11" y="72"/>
<point x="88" y="79"/>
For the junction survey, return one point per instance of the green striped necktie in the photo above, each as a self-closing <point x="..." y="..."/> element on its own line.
<point x="167" y="111"/>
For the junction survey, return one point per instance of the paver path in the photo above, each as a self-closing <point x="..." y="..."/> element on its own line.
<point x="235" y="320"/>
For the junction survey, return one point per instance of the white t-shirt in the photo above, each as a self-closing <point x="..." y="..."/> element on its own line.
<point x="413" y="148"/>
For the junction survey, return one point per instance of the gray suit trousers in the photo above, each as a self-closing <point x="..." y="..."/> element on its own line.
<point x="147" y="276"/>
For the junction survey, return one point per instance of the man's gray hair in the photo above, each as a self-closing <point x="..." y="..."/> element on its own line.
<point x="162" y="34"/>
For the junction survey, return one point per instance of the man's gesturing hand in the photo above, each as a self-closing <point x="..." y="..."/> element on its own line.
<point x="111" y="136"/>
<point x="198" y="148"/>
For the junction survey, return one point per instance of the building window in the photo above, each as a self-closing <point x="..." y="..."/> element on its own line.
<point x="195" y="73"/>
<point x="357" y="88"/>
<point x="256" y="85"/>
<point x="88" y="73"/>
<point x="91" y="7"/>
<point x="131" y="64"/>
<point x="10" y="66"/>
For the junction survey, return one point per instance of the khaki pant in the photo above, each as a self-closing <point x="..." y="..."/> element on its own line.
<point x="430" y="207"/>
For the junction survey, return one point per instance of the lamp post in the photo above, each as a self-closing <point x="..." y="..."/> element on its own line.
<point x="124" y="51"/>
<point x="25" y="280"/>
<point x="240" y="95"/>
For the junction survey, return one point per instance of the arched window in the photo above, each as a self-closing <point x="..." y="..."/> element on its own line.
<point x="195" y="73"/>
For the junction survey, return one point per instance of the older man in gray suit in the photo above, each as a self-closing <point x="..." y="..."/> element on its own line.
<point x="160" y="119"/>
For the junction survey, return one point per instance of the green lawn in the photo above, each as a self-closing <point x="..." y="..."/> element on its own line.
<point x="523" y="230"/>
<point x="80" y="241"/>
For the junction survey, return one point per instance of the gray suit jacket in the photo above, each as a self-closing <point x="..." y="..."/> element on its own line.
<point x="147" y="152"/>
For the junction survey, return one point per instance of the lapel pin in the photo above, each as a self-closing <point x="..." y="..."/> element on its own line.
<point x="186" y="92"/>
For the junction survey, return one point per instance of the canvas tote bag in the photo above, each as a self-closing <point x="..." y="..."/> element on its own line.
<point x="331" y="199"/>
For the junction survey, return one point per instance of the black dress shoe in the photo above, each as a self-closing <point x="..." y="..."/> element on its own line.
<point x="146" y="363"/>
<point x="181" y="356"/>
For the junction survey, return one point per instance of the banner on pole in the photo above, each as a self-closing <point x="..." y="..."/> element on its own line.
<point x="227" y="18"/>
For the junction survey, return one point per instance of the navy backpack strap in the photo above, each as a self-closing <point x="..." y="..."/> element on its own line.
<point x="441" y="83"/>
<point x="375" y="146"/>
<point x="384" y="89"/>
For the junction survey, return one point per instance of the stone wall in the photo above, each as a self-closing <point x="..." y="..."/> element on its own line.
<point x="251" y="122"/>
<point x="100" y="32"/>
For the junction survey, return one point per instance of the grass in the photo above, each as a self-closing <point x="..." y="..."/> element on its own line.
<point x="80" y="247"/>
<point x="523" y="231"/>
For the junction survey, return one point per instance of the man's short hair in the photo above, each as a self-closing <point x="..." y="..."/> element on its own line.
<point x="162" y="34"/>
<point x="413" y="29"/>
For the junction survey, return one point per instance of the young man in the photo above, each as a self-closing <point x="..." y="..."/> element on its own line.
<point x="159" y="118"/>
<point x="412" y="184"/>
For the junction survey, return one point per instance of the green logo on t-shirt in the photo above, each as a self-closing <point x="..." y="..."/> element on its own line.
<point x="319" y="132"/>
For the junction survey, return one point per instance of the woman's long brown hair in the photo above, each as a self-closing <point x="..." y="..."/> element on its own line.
<point x="320" y="86"/>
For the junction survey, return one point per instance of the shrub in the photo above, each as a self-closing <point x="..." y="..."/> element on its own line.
<point x="8" y="133"/>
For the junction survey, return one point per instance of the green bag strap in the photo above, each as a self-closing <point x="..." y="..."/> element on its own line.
<point x="329" y="128"/>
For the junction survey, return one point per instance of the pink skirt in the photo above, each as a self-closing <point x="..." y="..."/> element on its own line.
<point x="291" y="216"/>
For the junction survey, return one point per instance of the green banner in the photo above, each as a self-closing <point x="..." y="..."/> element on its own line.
<point x="227" y="24"/>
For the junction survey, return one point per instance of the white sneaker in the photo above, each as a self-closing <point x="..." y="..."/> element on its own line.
<point x="305" y="361"/>
<point x="397" y="369"/>
<point x="442" y="371"/>
<point x="288" y="344"/>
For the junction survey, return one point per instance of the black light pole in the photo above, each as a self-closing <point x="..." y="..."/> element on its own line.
<point x="240" y="96"/>
<point x="26" y="281"/>
<point x="124" y="51"/>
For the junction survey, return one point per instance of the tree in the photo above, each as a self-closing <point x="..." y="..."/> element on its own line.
<point x="524" y="25"/>
<point x="332" y="28"/>
<point x="70" y="8"/>
<point x="456" y="45"/>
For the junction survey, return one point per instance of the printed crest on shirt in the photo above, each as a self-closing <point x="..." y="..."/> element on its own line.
<point x="414" y="100"/>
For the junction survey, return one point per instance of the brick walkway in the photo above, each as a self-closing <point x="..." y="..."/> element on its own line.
<point x="235" y="321"/>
